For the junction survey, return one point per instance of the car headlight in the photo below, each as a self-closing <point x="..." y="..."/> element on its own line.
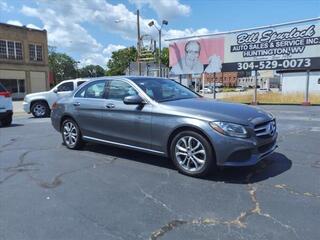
<point x="230" y="129"/>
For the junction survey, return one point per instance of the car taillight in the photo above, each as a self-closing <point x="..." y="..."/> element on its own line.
<point x="54" y="106"/>
<point x="5" y="94"/>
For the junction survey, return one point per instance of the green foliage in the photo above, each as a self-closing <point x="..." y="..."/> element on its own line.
<point x="120" y="60"/>
<point x="165" y="56"/>
<point x="62" y="65"/>
<point x="91" y="71"/>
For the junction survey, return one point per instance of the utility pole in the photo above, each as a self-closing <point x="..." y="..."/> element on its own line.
<point x="138" y="43"/>
<point x="255" y="101"/>
<point x="159" y="59"/>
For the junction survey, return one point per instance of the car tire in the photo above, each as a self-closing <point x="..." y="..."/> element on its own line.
<point x="40" y="109"/>
<point x="71" y="134"/>
<point x="187" y="155"/>
<point x="6" y="122"/>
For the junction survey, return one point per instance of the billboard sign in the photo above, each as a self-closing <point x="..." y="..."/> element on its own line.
<point x="285" y="46"/>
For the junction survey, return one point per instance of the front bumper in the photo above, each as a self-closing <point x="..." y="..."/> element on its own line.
<point x="26" y="107"/>
<point x="238" y="152"/>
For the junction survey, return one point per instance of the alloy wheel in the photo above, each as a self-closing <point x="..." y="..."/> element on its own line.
<point x="190" y="153"/>
<point x="70" y="134"/>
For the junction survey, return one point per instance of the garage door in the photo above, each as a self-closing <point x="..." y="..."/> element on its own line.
<point x="38" y="81"/>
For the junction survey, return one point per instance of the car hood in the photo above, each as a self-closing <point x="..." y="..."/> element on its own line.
<point x="213" y="110"/>
<point x="31" y="95"/>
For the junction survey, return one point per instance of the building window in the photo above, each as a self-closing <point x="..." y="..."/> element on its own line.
<point x="10" y="50"/>
<point x="35" y="52"/>
<point x="3" y="49"/>
<point x="18" y="47"/>
<point x="39" y="52"/>
<point x="10" y="46"/>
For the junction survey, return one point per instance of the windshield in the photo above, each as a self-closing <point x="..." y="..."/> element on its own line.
<point x="162" y="90"/>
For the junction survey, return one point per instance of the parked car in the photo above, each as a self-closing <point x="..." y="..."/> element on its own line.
<point x="240" y="89"/>
<point x="6" y="111"/>
<point x="263" y="90"/>
<point x="39" y="104"/>
<point x="160" y="116"/>
<point x="206" y="90"/>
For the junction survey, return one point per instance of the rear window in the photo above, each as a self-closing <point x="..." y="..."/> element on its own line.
<point x="2" y="88"/>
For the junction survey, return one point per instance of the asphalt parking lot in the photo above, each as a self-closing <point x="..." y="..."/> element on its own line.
<point x="102" y="192"/>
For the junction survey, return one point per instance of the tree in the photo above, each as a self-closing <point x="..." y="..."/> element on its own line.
<point x="165" y="56"/>
<point x="91" y="71"/>
<point x="120" y="60"/>
<point x="62" y="65"/>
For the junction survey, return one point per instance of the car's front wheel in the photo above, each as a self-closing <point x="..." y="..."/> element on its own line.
<point x="40" y="109"/>
<point x="71" y="134"/>
<point x="192" y="154"/>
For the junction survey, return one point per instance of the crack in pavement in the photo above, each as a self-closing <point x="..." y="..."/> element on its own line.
<point x="18" y="168"/>
<point x="294" y="192"/>
<point x="57" y="179"/>
<point x="240" y="221"/>
<point x="155" y="200"/>
<point x="12" y="140"/>
<point x="25" y="167"/>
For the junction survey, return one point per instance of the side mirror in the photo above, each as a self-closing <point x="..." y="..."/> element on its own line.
<point x="55" y="90"/>
<point x="133" y="100"/>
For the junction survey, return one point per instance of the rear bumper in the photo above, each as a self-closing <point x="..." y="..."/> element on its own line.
<point x="6" y="114"/>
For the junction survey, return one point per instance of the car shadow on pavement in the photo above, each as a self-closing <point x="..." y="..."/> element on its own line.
<point x="271" y="166"/>
<point x="12" y="125"/>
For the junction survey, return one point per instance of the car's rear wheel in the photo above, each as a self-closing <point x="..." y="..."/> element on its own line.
<point x="6" y="121"/>
<point x="40" y="109"/>
<point x="192" y="154"/>
<point x="71" y="134"/>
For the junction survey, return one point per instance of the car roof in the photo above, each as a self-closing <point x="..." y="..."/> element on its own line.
<point x="132" y="78"/>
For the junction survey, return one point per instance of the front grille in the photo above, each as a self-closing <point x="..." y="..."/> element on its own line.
<point x="266" y="147"/>
<point x="265" y="129"/>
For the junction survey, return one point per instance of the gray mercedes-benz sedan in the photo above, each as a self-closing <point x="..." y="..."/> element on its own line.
<point x="161" y="116"/>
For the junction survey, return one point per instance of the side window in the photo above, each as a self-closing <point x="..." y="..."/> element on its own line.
<point x="93" y="90"/>
<point x="79" y="83"/>
<point x="118" y="90"/>
<point x="65" y="87"/>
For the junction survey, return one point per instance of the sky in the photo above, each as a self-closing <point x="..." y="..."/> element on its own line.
<point x="90" y="30"/>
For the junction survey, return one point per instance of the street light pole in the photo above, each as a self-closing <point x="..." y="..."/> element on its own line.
<point x="159" y="59"/>
<point x="164" y="22"/>
<point x="138" y="43"/>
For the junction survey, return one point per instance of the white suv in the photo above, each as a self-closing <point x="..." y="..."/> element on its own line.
<point x="39" y="104"/>
<point x="5" y="106"/>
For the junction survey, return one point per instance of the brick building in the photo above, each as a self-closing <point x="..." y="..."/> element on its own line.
<point x="23" y="59"/>
<point x="228" y="79"/>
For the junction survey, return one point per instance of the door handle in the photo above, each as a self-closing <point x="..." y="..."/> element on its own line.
<point x="110" y="105"/>
<point x="76" y="104"/>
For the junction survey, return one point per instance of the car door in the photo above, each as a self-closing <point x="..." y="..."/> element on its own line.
<point x="60" y="91"/>
<point x="126" y="124"/>
<point x="89" y="104"/>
